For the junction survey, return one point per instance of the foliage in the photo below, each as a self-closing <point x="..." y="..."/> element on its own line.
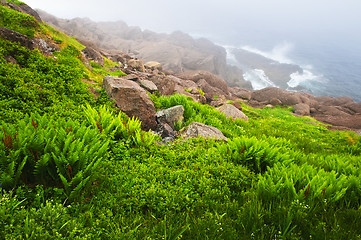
<point x="19" y="22"/>
<point x="50" y="152"/>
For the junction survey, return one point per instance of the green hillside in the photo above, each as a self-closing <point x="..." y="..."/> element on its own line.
<point x="72" y="167"/>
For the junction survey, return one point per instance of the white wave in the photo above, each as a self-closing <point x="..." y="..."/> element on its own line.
<point x="258" y="79"/>
<point x="304" y="79"/>
<point x="278" y="53"/>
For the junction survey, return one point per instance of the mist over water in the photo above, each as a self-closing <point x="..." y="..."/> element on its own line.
<point x="331" y="70"/>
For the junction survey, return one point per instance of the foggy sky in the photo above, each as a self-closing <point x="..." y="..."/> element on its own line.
<point x="282" y="20"/>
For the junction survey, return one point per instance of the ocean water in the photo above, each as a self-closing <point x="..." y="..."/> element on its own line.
<point x="328" y="69"/>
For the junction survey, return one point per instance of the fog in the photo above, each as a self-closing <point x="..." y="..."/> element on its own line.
<point x="275" y="20"/>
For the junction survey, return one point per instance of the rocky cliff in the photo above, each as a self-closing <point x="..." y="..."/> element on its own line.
<point x="177" y="52"/>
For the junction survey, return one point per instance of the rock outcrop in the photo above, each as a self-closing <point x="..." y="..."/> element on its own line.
<point x="177" y="52"/>
<point x="131" y="99"/>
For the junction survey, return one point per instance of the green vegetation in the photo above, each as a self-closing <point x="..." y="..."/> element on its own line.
<point x="73" y="168"/>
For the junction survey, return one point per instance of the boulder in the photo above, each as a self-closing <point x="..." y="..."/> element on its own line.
<point x="148" y="85"/>
<point x="93" y="55"/>
<point x="302" y="109"/>
<point x="131" y="99"/>
<point x="233" y="112"/>
<point x="171" y="115"/>
<point x="154" y="65"/>
<point x="196" y="129"/>
<point x="136" y="64"/>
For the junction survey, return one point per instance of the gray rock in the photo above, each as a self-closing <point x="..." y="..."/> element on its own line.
<point x="136" y="64"/>
<point x="148" y="85"/>
<point x="196" y="129"/>
<point x="131" y="99"/>
<point x="233" y="112"/>
<point x="13" y="36"/>
<point x="171" y="115"/>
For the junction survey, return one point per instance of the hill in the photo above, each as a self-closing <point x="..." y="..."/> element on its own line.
<point x="74" y="165"/>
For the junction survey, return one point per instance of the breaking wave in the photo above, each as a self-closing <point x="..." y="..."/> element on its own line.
<point x="258" y="79"/>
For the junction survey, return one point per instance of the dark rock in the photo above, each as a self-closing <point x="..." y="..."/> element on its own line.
<point x="196" y="129"/>
<point x="10" y="59"/>
<point x="131" y="99"/>
<point x="13" y="36"/>
<point x="165" y="132"/>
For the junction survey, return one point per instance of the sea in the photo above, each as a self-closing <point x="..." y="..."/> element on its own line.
<point x="330" y="68"/>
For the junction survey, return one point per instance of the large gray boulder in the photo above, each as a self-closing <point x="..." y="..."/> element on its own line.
<point x="131" y="99"/>
<point x="196" y="129"/>
<point x="171" y="115"/>
<point x="233" y="112"/>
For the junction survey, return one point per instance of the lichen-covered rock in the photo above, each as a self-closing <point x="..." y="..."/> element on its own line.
<point x="131" y="99"/>
<point x="196" y="129"/>
<point x="233" y="112"/>
<point x="136" y="64"/>
<point x="171" y="115"/>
